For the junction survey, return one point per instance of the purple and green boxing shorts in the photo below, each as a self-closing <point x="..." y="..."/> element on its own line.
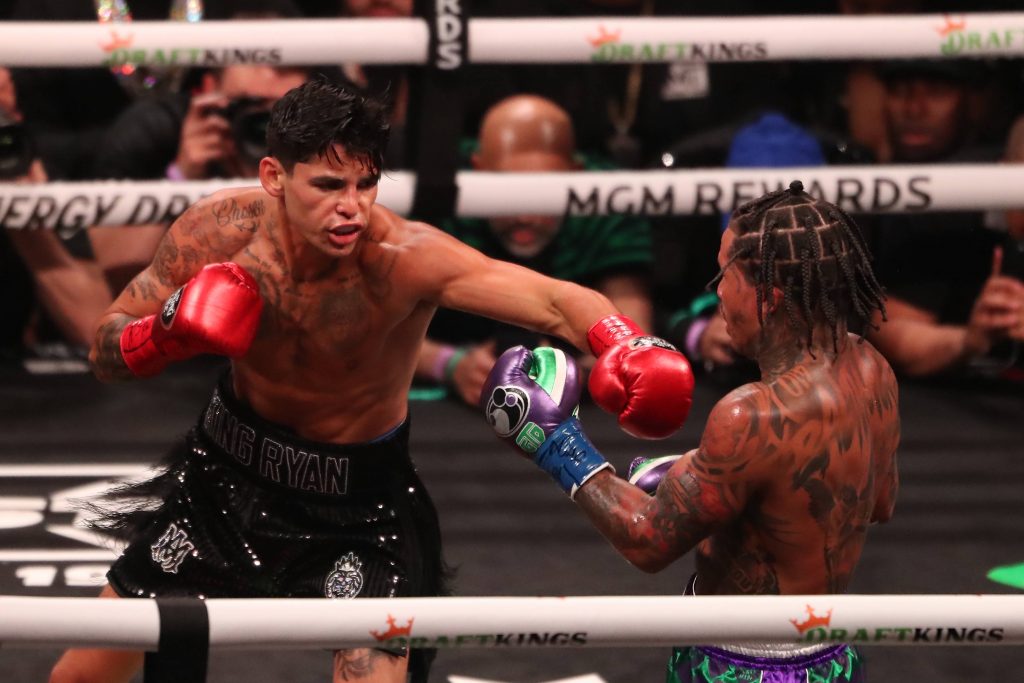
<point x="766" y="663"/>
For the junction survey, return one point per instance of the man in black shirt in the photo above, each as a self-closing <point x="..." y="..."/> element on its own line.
<point x="949" y="302"/>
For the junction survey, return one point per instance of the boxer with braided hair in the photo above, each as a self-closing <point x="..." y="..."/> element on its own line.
<point x="790" y="471"/>
<point x="817" y="254"/>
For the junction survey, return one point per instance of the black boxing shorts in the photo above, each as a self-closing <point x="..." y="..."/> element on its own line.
<point x="245" y="508"/>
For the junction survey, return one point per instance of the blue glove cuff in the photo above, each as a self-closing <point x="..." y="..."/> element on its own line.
<point x="569" y="457"/>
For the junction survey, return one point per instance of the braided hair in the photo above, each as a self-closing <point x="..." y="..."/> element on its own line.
<point x="814" y="252"/>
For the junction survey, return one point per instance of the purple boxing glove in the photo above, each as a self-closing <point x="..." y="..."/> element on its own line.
<point x="528" y="394"/>
<point x="647" y="473"/>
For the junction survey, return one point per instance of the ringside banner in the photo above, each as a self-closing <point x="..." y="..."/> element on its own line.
<point x="68" y="207"/>
<point x="538" y="623"/>
<point x="519" y="40"/>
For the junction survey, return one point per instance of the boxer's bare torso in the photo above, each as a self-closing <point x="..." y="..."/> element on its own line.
<point x="778" y="497"/>
<point x="817" y="443"/>
<point x="343" y="317"/>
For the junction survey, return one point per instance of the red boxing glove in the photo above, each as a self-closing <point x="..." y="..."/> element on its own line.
<point x="643" y="379"/>
<point x="217" y="311"/>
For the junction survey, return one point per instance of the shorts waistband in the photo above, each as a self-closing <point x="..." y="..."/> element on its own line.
<point x="777" y="651"/>
<point x="280" y="458"/>
<point x="765" y="650"/>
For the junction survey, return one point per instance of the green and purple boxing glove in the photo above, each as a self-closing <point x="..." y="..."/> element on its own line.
<point x="531" y="399"/>
<point x="646" y="473"/>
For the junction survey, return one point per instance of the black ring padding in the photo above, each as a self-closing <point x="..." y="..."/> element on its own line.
<point x="434" y="144"/>
<point x="435" y="109"/>
<point x="448" y="24"/>
<point x="184" y="646"/>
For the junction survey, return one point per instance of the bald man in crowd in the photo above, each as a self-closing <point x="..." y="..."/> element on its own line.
<point x="612" y="254"/>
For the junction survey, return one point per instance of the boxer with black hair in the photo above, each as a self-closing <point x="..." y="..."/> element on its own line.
<point x="297" y="481"/>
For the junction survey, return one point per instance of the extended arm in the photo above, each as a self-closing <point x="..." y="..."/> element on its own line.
<point x="643" y="379"/>
<point x="703" y="490"/>
<point x="472" y="282"/>
<point x="630" y="294"/>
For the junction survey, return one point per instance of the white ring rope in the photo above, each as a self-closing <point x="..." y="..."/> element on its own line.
<point x="71" y="206"/>
<point x="526" y="40"/>
<point x="490" y="622"/>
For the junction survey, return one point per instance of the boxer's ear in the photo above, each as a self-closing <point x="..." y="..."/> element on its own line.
<point x="774" y="301"/>
<point x="272" y="176"/>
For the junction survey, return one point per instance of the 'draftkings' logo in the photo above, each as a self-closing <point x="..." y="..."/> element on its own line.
<point x="958" y="39"/>
<point x="121" y="51"/>
<point x="610" y="47"/>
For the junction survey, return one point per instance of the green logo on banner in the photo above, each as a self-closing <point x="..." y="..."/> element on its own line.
<point x="530" y="437"/>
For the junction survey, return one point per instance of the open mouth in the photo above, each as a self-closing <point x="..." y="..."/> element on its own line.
<point x="343" y="235"/>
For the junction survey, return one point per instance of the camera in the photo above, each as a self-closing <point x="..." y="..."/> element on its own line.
<point x="248" y="117"/>
<point x="16" y="149"/>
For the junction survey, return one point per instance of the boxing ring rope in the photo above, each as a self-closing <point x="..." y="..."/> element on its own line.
<point x="526" y="40"/>
<point x="69" y="206"/>
<point x="499" y="622"/>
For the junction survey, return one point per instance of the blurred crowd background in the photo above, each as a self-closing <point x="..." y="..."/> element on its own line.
<point x="954" y="279"/>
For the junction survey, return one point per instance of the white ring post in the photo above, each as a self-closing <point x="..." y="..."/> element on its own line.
<point x="490" y="622"/>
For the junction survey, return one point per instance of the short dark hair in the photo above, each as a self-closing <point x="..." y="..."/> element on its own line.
<point x="814" y="252"/>
<point x="313" y="117"/>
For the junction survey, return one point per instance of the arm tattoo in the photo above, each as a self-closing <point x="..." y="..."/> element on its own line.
<point x="107" y="362"/>
<point x="651" y="532"/>
<point x="143" y="289"/>
<point x="165" y="260"/>
<point x="354" y="665"/>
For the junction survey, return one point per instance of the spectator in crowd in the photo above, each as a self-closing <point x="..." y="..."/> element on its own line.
<point x="401" y="87"/>
<point x="388" y="81"/>
<point x="217" y="131"/>
<point x="772" y="140"/>
<point x="214" y="132"/>
<point x="50" y="293"/>
<point x="950" y="302"/>
<point x="863" y="96"/>
<point x="68" y="109"/>
<point x="74" y="138"/>
<point x="1015" y="155"/>
<point x="633" y="112"/>
<point x="527" y="133"/>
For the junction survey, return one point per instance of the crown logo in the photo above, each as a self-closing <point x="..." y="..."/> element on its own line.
<point x="952" y="25"/>
<point x="604" y="36"/>
<point x="348" y="563"/>
<point x="812" y="620"/>
<point x="116" y="42"/>
<point x="393" y="630"/>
